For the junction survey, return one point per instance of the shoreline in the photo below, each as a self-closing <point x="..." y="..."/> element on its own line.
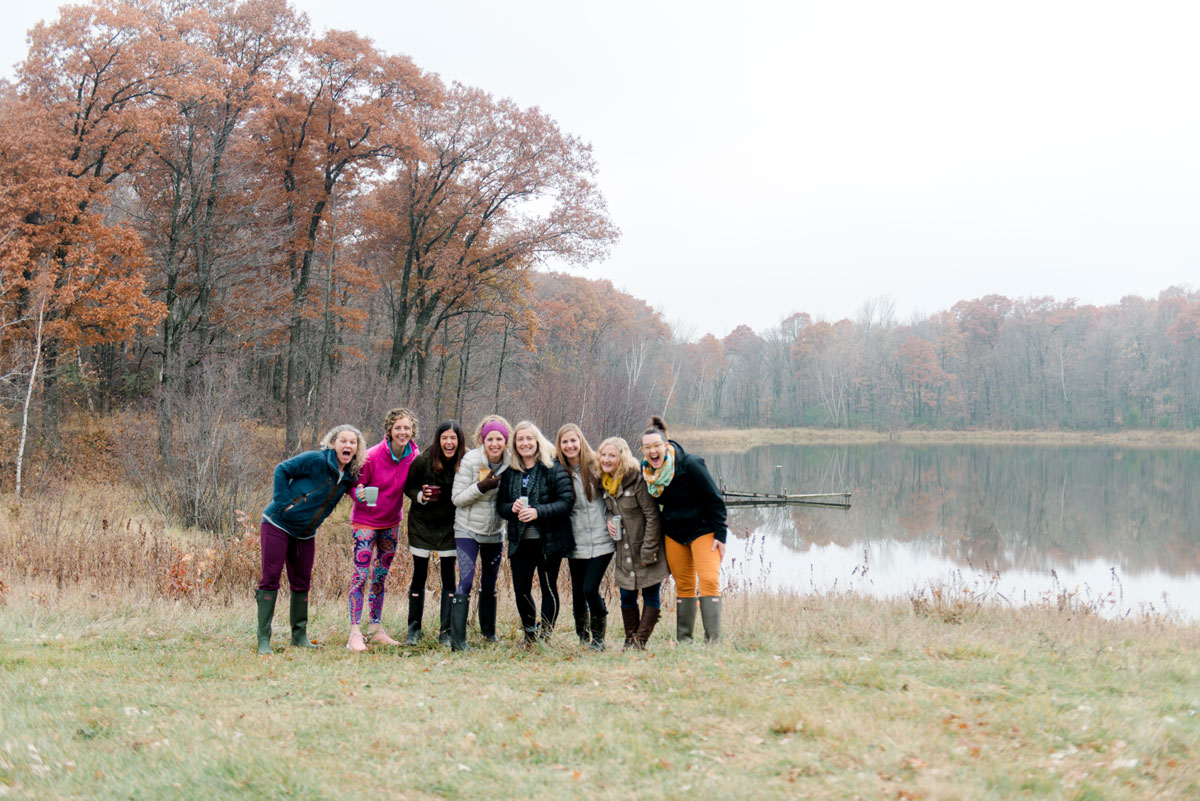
<point x="743" y="439"/>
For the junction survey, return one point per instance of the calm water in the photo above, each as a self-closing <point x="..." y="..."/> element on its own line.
<point x="1116" y="525"/>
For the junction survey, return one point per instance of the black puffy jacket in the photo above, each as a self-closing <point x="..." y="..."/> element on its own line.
<point x="551" y="493"/>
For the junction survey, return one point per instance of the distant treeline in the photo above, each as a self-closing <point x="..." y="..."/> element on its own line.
<point x="212" y="215"/>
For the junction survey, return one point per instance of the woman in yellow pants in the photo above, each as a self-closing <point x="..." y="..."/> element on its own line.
<point x="693" y="527"/>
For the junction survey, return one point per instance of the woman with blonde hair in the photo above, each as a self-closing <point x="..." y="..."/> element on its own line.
<point x="535" y="497"/>
<point x="593" y="543"/>
<point x="307" y="487"/>
<point x="478" y="529"/>
<point x="375" y="523"/>
<point x="693" y="525"/>
<point x="640" y="564"/>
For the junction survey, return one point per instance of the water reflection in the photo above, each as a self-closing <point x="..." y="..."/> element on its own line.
<point x="1102" y="519"/>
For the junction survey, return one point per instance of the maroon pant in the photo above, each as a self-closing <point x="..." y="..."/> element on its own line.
<point x="280" y="548"/>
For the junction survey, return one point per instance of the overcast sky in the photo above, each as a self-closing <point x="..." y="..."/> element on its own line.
<point x="763" y="158"/>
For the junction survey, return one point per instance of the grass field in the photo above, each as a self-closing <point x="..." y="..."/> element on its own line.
<point x="829" y="697"/>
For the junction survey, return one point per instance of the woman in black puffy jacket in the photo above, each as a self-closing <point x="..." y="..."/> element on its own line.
<point x="535" y="497"/>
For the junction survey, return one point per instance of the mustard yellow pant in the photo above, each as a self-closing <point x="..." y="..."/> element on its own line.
<point x="695" y="560"/>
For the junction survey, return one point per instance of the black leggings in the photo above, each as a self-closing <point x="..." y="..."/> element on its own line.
<point x="421" y="570"/>
<point x="527" y="560"/>
<point x="586" y="575"/>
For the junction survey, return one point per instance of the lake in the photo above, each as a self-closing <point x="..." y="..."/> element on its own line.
<point x="1116" y="529"/>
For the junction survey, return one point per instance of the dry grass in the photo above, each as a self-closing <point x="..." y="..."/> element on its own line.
<point x="738" y="440"/>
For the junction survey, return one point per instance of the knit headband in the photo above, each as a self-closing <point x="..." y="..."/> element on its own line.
<point x="493" y="425"/>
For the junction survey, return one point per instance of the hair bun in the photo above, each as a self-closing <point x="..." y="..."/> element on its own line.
<point x="659" y="423"/>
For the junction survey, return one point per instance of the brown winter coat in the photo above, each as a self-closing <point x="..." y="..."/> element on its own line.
<point x="640" y="561"/>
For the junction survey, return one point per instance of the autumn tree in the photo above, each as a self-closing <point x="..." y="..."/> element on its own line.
<point x="344" y="117"/>
<point x="495" y="189"/>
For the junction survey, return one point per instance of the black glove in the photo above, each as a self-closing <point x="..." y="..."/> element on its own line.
<point x="489" y="483"/>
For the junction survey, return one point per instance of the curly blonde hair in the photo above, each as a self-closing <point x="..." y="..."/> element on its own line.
<point x="393" y="416"/>
<point x="360" y="453"/>
<point x="627" y="462"/>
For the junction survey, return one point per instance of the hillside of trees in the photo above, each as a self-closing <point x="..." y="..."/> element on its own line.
<point x="211" y="214"/>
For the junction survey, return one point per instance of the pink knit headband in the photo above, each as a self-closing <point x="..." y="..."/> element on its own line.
<point x="493" y="425"/>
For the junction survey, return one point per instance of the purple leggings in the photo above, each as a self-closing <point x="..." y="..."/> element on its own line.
<point x="383" y="543"/>
<point x="467" y="550"/>
<point x="278" y="549"/>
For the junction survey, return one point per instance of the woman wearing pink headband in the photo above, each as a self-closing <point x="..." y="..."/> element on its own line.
<point x="478" y="529"/>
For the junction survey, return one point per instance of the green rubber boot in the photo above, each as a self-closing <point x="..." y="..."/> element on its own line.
<point x="685" y="619"/>
<point x="710" y="614"/>
<point x="266" y="611"/>
<point x="299" y="614"/>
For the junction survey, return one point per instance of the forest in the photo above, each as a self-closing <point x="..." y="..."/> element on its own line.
<point x="214" y="219"/>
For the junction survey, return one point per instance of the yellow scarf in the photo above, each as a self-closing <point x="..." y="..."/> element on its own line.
<point x="611" y="483"/>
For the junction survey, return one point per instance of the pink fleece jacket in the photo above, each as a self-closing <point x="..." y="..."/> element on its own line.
<point x="385" y="471"/>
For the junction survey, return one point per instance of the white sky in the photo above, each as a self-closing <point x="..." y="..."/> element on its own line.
<point x="768" y="157"/>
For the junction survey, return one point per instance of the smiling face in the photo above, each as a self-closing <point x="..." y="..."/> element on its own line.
<point x="526" y="444"/>
<point x="448" y="442"/>
<point x="568" y="446"/>
<point x="401" y="433"/>
<point x="610" y="457"/>
<point x="654" y="448"/>
<point x="345" y="446"/>
<point x="493" y="446"/>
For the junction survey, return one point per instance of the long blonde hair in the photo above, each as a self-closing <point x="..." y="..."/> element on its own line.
<point x="545" y="450"/>
<point x="589" y="465"/>
<point x="360" y="453"/>
<point x="626" y="461"/>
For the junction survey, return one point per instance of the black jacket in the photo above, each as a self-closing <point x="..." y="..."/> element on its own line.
<point x="430" y="525"/>
<point x="691" y="505"/>
<point x="551" y="493"/>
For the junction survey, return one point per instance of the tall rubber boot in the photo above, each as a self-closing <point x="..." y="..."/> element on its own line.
<point x="581" y="626"/>
<point x="299" y="615"/>
<point x="266" y="611"/>
<point x="416" y="608"/>
<point x="599" y="625"/>
<point x="487" y="616"/>
<point x="710" y="614"/>
<point x="444" y="620"/>
<point x="629" y="617"/>
<point x="531" y="636"/>
<point x="646" y="626"/>
<point x="459" y="607"/>
<point x="685" y="619"/>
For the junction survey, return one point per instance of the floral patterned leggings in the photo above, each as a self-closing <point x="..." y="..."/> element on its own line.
<point x="383" y="543"/>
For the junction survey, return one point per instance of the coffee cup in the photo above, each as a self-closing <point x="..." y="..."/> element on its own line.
<point x="371" y="494"/>
<point x="432" y="491"/>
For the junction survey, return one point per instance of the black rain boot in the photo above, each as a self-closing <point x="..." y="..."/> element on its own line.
<point x="299" y="615"/>
<point x="599" y="624"/>
<point x="710" y="614"/>
<point x="266" y="611"/>
<point x="487" y="616"/>
<point x="581" y="626"/>
<point x="629" y="617"/>
<point x="416" y="608"/>
<point x="649" y="620"/>
<point x="460" y="606"/>
<point x="531" y="636"/>
<point x="546" y="630"/>
<point x="444" y="620"/>
<point x="685" y="619"/>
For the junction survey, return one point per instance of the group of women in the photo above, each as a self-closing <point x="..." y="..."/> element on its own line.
<point x="515" y="492"/>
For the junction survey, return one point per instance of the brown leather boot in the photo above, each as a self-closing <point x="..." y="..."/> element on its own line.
<point x="649" y="620"/>
<point x="629" y="616"/>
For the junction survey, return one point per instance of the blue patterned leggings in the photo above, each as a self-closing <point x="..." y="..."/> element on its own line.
<point x="383" y="544"/>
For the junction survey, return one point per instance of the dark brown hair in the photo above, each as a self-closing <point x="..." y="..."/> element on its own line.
<point x="657" y="426"/>
<point x="438" y="460"/>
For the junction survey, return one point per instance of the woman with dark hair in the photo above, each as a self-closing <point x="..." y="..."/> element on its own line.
<point x="693" y="524"/>
<point x="478" y="529"/>
<point x="375" y="523"/>
<point x="431" y="524"/>
<point x="307" y="487"/>
<point x="593" y="542"/>
<point x="535" y="497"/>
<point x="639" y="564"/>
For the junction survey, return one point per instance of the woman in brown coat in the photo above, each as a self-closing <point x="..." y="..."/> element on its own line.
<point x="640" y="563"/>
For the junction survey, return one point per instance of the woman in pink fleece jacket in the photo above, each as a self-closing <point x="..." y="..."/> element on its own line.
<point x="375" y="527"/>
